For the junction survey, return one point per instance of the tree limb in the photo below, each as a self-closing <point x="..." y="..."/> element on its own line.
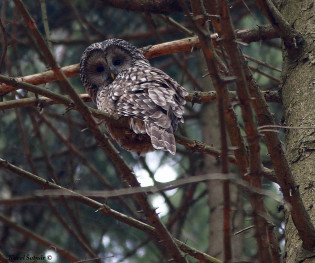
<point x="181" y="45"/>
<point x="292" y="39"/>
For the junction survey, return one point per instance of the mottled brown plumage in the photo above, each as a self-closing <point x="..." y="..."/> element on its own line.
<point x="146" y="103"/>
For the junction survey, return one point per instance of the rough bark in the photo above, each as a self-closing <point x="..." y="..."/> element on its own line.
<point x="210" y="135"/>
<point x="215" y="192"/>
<point x="215" y="188"/>
<point x="298" y="100"/>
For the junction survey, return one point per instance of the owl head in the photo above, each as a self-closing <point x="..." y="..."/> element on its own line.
<point x="101" y="62"/>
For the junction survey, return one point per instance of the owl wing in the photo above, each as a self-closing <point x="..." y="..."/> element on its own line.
<point x="152" y="96"/>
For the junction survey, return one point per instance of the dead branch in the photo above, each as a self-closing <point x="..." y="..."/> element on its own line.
<point x="182" y="45"/>
<point x="292" y="39"/>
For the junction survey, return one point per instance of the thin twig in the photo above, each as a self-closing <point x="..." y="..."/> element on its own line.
<point x="175" y="24"/>
<point x="93" y="170"/>
<point x="4" y="45"/>
<point x="44" y="242"/>
<point x="278" y="81"/>
<point x="262" y="63"/>
<point x="45" y="22"/>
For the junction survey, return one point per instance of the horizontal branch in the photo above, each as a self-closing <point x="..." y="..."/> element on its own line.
<point x="257" y="33"/>
<point x="193" y="97"/>
<point x="181" y="45"/>
<point x="211" y="96"/>
<point x="41" y="78"/>
<point x="161" y="187"/>
<point x="196" y="146"/>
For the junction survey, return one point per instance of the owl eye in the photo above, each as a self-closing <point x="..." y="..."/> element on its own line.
<point x="100" y="68"/>
<point x="116" y="62"/>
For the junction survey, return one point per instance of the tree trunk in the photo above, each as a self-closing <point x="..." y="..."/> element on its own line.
<point x="215" y="195"/>
<point x="299" y="106"/>
<point x="211" y="136"/>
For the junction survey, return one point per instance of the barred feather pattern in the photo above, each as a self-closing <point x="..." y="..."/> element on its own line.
<point x="151" y="102"/>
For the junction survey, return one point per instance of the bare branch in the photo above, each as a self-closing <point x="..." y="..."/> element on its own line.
<point x="41" y="78"/>
<point x="258" y="33"/>
<point x="5" y="44"/>
<point x="292" y="39"/>
<point x="181" y="45"/>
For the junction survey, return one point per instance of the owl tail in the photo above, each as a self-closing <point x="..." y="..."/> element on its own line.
<point x="161" y="138"/>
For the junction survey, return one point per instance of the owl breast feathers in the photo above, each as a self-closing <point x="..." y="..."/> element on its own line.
<point x="146" y="104"/>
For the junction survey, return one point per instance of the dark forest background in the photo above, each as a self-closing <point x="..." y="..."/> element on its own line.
<point x="224" y="202"/>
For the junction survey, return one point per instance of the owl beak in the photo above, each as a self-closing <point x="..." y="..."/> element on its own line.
<point x="112" y="75"/>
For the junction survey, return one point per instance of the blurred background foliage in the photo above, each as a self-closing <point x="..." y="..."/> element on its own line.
<point x="31" y="138"/>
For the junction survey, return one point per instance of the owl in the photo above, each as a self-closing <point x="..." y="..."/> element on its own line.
<point x="146" y="104"/>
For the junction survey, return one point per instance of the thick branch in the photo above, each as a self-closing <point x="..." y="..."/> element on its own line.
<point x="41" y="78"/>
<point x="291" y="38"/>
<point x="257" y="33"/>
<point x="181" y="45"/>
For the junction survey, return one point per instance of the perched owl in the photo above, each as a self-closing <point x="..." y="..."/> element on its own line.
<point x="146" y="104"/>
